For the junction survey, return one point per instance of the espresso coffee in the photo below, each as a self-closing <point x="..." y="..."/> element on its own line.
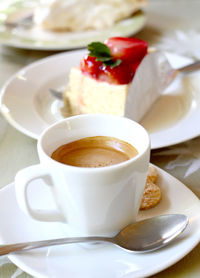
<point x="97" y="151"/>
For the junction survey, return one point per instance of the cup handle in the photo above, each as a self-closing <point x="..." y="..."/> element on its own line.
<point x="22" y="180"/>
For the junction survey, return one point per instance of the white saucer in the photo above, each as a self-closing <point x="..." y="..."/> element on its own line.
<point x="37" y="38"/>
<point x="105" y="261"/>
<point x="27" y="104"/>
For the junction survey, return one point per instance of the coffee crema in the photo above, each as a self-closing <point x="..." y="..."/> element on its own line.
<point x="97" y="151"/>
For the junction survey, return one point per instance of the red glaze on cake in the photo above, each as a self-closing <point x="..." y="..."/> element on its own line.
<point x="130" y="51"/>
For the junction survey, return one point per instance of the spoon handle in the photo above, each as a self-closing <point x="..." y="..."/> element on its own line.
<point x="6" y="249"/>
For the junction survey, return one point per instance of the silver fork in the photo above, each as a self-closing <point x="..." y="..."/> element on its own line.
<point x="56" y="93"/>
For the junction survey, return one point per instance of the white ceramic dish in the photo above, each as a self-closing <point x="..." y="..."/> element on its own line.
<point x="27" y="104"/>
<point x="99" y="260"/>
<point x="37" y="38"/>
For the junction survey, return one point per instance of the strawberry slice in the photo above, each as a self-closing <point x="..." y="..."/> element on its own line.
<point x="90" y="66"/>
<point x="129" y="49"/>
<point x="122" y="74"/>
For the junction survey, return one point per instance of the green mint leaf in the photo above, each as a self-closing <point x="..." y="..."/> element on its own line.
<point x="113" y="63"/>
<point x="99" y="49"/>
<point x="103" y="54"/>
<point x="103" y="59"/>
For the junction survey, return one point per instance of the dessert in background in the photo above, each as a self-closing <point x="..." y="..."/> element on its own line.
<point x="100" y="84"/>
<point x="80" y="15"/>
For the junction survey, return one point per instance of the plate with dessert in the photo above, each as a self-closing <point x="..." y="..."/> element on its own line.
<point x="100" y="81"/>
<point x="96" y="261"/>
<point x="60" y="25"/>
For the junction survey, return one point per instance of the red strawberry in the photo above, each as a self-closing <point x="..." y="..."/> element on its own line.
<point x="122" y="74"/>
<point x="129" y="49"/>
<point x="90" y="66"/>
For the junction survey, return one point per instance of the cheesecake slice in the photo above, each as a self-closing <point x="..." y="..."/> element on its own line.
<point x="100" y="84"/>
<point x="85" y="95"/>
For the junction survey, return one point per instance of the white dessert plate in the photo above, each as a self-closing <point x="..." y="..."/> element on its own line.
<point x="37" y="38"/>
<point x="27" y="104"/>
<point x="97" y="261"/>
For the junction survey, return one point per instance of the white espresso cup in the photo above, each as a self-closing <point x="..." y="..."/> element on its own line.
<point x="91" y="201"/>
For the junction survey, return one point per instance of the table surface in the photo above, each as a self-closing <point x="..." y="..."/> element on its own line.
<point x="18" y="151"/>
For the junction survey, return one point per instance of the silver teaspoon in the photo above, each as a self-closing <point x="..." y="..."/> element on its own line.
<point x="142" y="236"/>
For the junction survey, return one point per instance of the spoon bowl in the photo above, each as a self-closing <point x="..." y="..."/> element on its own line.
<point x="143" y="236"/>
<point x="152" y="233"/>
